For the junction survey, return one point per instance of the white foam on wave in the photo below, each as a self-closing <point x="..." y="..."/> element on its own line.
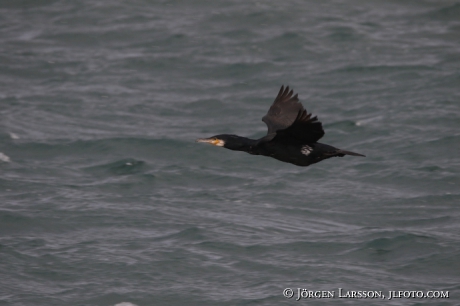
<point x="125" y="304"/>
<point x="14" y="136"/>
<point x="368" y="120"/>
<point x="4" y="158"/>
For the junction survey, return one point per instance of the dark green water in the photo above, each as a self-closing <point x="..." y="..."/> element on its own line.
<point x="105" y="198"/>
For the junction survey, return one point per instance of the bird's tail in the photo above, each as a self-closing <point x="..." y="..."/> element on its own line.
<point x="350" y="153"/>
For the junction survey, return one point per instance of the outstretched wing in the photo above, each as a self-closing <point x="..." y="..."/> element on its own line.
<point x="283" y="111"/>
<point x="287" y="118"/>
<point x="305" y="128"/>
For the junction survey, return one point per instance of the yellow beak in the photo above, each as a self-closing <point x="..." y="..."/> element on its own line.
<point x="212" y="140"/>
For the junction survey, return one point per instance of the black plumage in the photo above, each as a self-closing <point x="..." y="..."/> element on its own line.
<point x="292" y="135"/>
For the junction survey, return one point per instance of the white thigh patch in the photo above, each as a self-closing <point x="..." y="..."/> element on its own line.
<point x="306" y="150"/>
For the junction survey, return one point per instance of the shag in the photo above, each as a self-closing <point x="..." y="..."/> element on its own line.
<point x="292" y="135"/>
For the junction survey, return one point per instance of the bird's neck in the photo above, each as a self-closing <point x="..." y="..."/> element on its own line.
<point x="242" y="144"/>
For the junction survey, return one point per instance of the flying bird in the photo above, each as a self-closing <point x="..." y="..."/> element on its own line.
<point x="292" y="135"/>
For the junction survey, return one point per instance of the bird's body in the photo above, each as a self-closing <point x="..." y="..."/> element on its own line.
<point x="292" y="135"/>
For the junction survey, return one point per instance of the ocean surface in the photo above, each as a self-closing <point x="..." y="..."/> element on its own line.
<point x="106" y="199"/>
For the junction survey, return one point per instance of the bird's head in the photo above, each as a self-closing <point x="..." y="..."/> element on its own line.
<point x="232" y="142"/>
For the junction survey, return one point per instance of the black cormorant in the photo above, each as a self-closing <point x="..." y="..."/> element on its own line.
<point x="292" y="135"/>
